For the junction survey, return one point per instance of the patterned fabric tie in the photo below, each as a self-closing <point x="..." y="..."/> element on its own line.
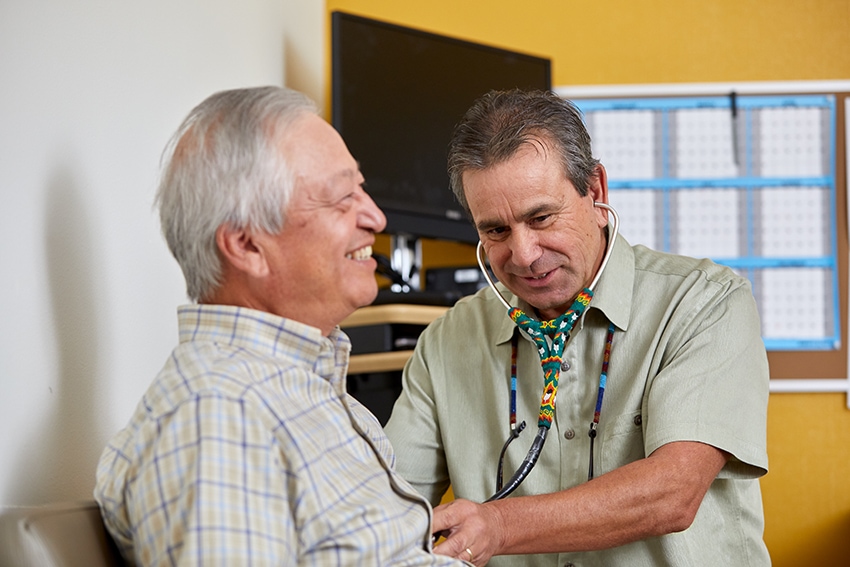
<point x="558" y="330"/>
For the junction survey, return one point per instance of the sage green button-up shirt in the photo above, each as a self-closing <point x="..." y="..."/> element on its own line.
<point x="687" y="364"/>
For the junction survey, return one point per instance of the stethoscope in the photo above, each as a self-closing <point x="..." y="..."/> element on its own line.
<point x="548" y="403"/>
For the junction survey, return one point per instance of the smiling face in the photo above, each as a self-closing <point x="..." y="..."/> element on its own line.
<point x="544" y="241"/>
<point x="321" y="263"/>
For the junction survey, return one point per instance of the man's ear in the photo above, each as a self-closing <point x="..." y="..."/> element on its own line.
<point x="243" y="250"/>
<point x="598" y="191"/>
<point x="598" y="186"/>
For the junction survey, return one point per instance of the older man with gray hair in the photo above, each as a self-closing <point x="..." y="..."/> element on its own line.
<point x="246" y="448"/>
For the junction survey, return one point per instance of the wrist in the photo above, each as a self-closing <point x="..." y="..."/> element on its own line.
<point x="497" y="519"/>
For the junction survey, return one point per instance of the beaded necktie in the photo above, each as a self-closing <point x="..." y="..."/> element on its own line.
<point x="558" y="330"/>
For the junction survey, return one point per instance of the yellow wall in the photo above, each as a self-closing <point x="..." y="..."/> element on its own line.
<point x="660" y="41"/>
<point x="807" y="492"/>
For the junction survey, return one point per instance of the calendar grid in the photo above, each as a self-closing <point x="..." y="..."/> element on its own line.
<point x="754" y="190"/>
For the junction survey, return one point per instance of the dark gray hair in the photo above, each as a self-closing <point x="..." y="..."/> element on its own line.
<point x="500" y="122"/>
<point x="223" y="166"/>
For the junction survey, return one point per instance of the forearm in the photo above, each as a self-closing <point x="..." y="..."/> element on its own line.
<point x="647" y="498"/>
<point x="654" y="496"/>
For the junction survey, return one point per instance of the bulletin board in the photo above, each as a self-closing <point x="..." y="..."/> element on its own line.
<point x="753" y="181"/>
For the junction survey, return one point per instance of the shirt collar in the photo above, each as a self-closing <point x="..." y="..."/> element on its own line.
<point x="264" y="333"/>
<point x="612" y="296"/>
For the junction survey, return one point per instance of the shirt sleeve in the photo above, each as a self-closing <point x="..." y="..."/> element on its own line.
<point x="714" y="388"/>
<point x="213" y="491"/>
<point x="414" y="430"/>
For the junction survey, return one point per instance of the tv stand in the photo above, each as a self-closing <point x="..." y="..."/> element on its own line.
<point x="406" y="262"/>
<point x="445" y="286"/>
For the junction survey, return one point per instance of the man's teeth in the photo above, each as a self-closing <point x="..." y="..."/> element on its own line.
<point x="362" y="254"/>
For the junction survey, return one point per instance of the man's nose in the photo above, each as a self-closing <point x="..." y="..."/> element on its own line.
<point x="525" y="248"/>
<point x="372" y="217"/>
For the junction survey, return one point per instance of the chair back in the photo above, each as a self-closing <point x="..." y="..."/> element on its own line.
<point x="57" y="535"/>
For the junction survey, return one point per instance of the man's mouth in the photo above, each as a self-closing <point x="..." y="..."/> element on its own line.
<point x="362" y="254"/>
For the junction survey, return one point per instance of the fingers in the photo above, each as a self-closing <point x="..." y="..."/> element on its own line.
<point x="465" y="554"/>
<point x="466" y="529"/>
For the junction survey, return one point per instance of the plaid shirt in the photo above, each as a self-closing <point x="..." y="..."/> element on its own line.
<point x="246" y="450"/>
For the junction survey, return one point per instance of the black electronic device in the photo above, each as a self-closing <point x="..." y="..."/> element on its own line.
<point x="383" y="337"/>
<point x="378" y="391"/>
<point x="460" y="281"/>
<point x="397" y="93"/>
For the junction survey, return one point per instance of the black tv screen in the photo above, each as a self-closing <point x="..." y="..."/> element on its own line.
<point x="396" y="96"/>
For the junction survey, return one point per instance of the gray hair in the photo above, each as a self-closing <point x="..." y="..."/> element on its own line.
<point x="500" y="122"/>
<point x="223" y="166"/>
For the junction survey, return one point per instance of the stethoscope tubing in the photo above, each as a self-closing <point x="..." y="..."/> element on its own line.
<point x="537" y="444"/>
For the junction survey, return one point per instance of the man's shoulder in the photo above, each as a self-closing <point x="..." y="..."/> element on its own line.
<point x="653" y="265"/>
<point x="210" y="370"/>
<point x="192" y="396"/>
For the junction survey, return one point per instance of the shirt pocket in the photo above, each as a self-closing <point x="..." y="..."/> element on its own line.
<point x="622" y="442"/>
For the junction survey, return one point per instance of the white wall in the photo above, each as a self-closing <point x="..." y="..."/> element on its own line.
<point x="90" y="91"/>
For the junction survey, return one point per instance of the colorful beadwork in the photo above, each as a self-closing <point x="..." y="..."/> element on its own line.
<point x="558" y="330"/>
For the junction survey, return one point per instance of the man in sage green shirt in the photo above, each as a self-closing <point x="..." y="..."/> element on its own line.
<point x="657" y="439"/>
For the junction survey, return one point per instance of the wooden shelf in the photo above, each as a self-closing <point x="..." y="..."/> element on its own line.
<point x="393" y="313"/>
<point x="378" y="361"/>
<point x="400" y="313"/>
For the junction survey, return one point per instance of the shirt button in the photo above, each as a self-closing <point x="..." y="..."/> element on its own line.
<point x="638" y="420"/>
<point x="569" y="565"/>
<point x="569" y="434"/>
<point x="565" y="365"/>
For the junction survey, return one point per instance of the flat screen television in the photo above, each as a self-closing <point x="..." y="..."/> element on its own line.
<point x="396" y="95"/>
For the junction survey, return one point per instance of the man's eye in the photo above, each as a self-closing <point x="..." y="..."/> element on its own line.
<point x="498" y="231"/>
<point x="345" y="200"/>
<point x="541" y="218"/>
